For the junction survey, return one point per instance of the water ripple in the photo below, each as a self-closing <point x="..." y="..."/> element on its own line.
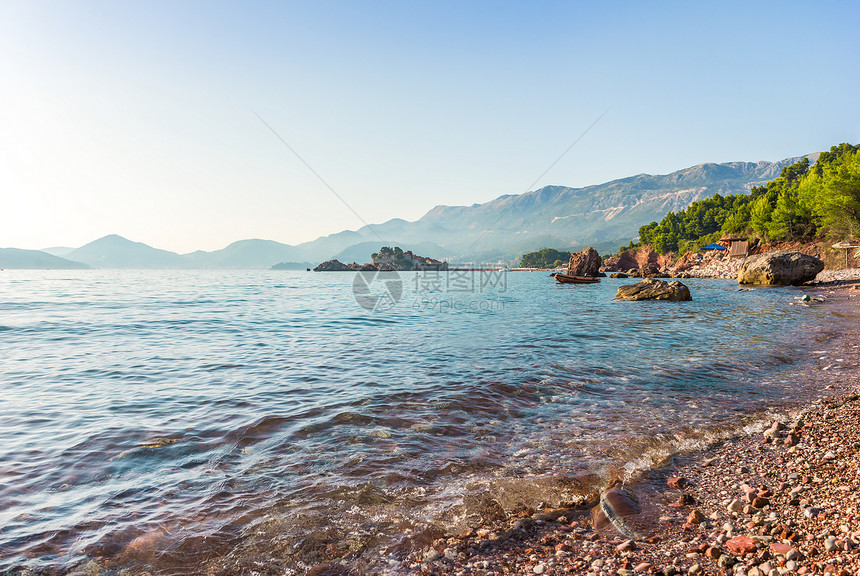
<point x="174" y="419"/>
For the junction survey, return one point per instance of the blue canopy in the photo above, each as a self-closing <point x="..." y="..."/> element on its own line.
<point x="713" y="246"/>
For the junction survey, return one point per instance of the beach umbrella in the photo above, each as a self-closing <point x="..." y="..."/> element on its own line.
<point x="845" y="245"/>
<point x="713" y="246"/>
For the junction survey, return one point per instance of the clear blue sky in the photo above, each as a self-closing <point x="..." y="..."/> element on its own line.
<point x="138" y="118"/>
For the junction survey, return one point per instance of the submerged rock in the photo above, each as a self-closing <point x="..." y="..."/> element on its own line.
<point x="653" y="289"/>
<point x="781" y="268"/>
<point x="615" y="504"/>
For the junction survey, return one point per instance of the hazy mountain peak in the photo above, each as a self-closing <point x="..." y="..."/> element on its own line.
<point x="554" y="216"/>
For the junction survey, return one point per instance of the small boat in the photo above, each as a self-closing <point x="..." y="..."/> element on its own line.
<point x="565" y="279"/>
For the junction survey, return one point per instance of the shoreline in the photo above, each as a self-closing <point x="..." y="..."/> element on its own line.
<point x="745" y="506"/>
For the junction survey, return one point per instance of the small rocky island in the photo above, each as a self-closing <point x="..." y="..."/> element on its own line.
<point x="387" y="259"/>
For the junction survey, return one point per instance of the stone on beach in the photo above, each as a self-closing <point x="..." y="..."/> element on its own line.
<point x="677" y="483"/>
<point x="742" y="545"/>
<point x="780" y="548"/>
<point x="627" y="546"/>
<point x="695" y="517"/>
<point x="781" y="267"/>
<point x="654" y="289"/>
<point x="615" y="503"/>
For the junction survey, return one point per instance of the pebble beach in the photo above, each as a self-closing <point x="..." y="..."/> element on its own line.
<point x="783" y="498"/>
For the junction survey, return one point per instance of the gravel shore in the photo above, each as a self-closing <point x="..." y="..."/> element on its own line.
<point x="780" y="500"/>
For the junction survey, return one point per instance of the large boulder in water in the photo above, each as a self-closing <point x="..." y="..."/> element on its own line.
<point x="585" y="263"/>
<point x="781" y="267"/>
<point x="653" y="289"/>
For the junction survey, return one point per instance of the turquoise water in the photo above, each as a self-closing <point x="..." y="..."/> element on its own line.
<point x="176" y="421"/>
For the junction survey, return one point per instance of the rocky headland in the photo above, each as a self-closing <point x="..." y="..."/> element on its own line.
<point x="644" y="262"/>
<point x="338" y="266"/>
<point x="387" y="259"/>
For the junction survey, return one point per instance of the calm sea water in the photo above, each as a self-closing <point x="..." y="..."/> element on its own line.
<point x="184" y="422"/>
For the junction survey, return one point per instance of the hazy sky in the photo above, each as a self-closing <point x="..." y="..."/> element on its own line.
<point x="139" y="118"/>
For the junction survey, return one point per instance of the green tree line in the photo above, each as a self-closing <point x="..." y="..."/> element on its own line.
<point x="544" y="258"/>
<point x="804" y="202"/>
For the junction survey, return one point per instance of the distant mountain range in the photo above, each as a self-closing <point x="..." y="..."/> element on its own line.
<point x="605" y="216"/>
<point x="13" y="258"/>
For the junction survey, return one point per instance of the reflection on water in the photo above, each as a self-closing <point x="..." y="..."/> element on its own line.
<point x="176" y="421"/>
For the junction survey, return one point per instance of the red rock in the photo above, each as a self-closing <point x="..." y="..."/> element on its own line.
<point x="713" y="553"/>
<point x="626" y="546"/>
<point x="742" y="545"/>
<point x="695" y="517"/>
<point x="677" y="483"/>
<point x="623" y="262"/>
<point x="791" y="440"/>
<point x="764" y="493"/>
<point x="563" y="547"/>
<point x="760" y="502"/>
<point x="686" y="500"/>
<point x="643" y="567"/>
<point x="780" y="548"/>
<point x="585" y="263"/>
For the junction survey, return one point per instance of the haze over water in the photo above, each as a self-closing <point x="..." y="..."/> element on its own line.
<point x="180" y="421"/>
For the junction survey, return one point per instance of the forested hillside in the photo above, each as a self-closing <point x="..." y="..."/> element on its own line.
<point x="545" y="258"/>
<point x="804" y="202"/>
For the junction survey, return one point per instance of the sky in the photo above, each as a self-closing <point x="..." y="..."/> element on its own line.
<point x="189" y="125"/>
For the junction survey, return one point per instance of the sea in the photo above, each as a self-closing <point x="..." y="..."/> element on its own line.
<point x="225" y="422"/>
